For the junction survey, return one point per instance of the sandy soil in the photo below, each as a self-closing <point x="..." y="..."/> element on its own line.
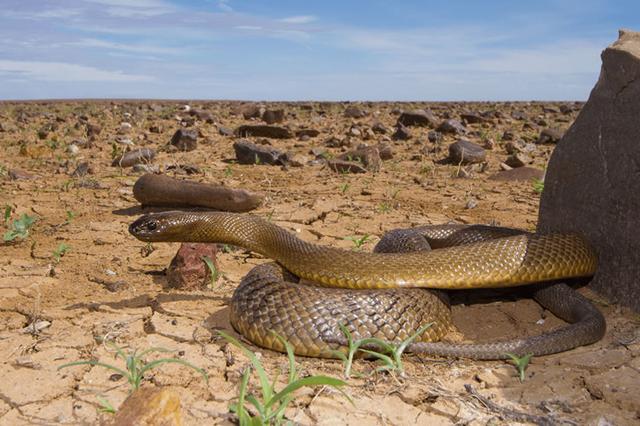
<point x="108" y="286"/>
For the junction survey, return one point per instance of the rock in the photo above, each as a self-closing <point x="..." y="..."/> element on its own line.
<point x="150" y="406"/>
<point x="131" y="158"/>
<point x="264" y="131"/>
<point x="310" y="133"/>
<point x="472" y="118"/>
<point x="355" y="112"/>
<point x="379" y="128"/>
<point x="550" y="136"/>
<point x="225" y="131"/>
<point x="518" y="159"/>
<point x="272" y="116"/>
<point x="519" y="115"/>
<point x="155" y="128"/>
<point x="435" y="136"/>
<point x="249" y="111"/>
<point x="519" y="146"/>
<point x="452" y="126"/>
<point x="344" y="166"/>
<point x="294" y="160"/>
<point x="124" y="128"/>
<point x="519" y="174"/>
<point x="187" y="270"/>
<point x="508" y="135"/>
<point x="17" y="174"/>
<point x="250" y="153"/>
<point x="185" y="139"/>
<point x="465" y="152"/>
<point x="201" y="115"/>
<point x="592" y="185"/>
<point x="418" y="118"/>
<point x="385" y="150"/>
<point x="402" y="133"/>
<point x="161" y="190"/>
<point x="335" y="142"/>
<point x="367" y="156"/>
<point x="82" y="169"/>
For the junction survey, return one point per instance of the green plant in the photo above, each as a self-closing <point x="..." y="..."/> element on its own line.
<point x="389" y="354"/>
<point x="270" y="409"/>
<point x="19" y="227"/>
<point x="358" y="242"/>
<point x="60" y="251"/>
<point x="136" y="365"/>
<point x="538" y="185"/>
<point x="105" y="406"/>
<point x="257" y="160"/>
<point x="228" y="172"/>
<point x="7" y="213"/>
<point x="214" y="275"/>
<point x="70" y="216"/>
<point x="384" y="207"/>
<point x="344" y="187"/>
<point x="521" y="363"/>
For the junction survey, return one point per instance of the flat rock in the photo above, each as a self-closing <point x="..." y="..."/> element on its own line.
<point x="519" y="174"/>
<point x="452" y="126"/>
<point x="402" y="133"/>
<point x="418" y="118"/>
<point x="263" y="131"/>
<point x="150" y="406"/>
<point x="518" y="159"/>
<point x="272" y="116"/>
<point x="472" y="118"/>
<point x="550" y="136"/>
<point x="250" y="153"/>
<point x="17" y="174"/>
<point x="131" y="158"/>
<point x="367" y="156"/>
<point x="592" y="185"/>
<point x="345" y="166"/>
<point x="355" y="112"/>
<point x="311" y="133"/>
<point x="466" y="152"/>
<point x="188" y="270"/>
<point x="185" y="139"/>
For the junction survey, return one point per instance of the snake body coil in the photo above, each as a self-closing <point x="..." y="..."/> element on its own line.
<point x="465" y="257"/>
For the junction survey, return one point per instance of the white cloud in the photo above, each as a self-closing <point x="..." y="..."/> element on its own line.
<point x="131" y="3"/>
<point x="301" y="19"/>
<point x="224" y="6"/>
<point x="62" y="71"/>
<point x="248" y="27"/>
<point x="135" y="48"/>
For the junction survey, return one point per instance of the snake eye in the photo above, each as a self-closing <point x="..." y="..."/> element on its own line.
<point x="151" y="226"/>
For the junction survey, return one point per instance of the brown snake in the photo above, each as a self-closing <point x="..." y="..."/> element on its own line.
<point x="372" y="304"/>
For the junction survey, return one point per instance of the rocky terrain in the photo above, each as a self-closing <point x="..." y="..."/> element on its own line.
<point x="338" y="174"/>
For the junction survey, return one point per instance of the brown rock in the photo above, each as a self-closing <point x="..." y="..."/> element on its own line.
<point x="472" y="118"/>
<point x="518" y="159"/>
<point x="593" y="179"/>
<point x="272" y="116"/>
<point x="550" y="136"/>
<point x="311" y="133"/>
<point x="418" y="118"/>
<point x="188" y="270"/>
<point x="355" y="112"/>
<point x="17" y="174"/>
<point x="367" y="156"/>
<point x="344" y="166"/>
<point x="131" y="158"/>
<point x="249" y="111"/>
<point x="264" y="131"/>
<point x="161" y="190"/>
<point x="150" y="407"/>
<point x="185" y="139"/>
<point x="465" y="152"/>
<point x="452" y="126"/>
<point x="250" y="153"/>
<point x="402" y="133"/>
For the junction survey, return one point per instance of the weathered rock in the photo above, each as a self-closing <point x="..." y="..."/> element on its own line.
<point x="82" y="169"/>
<point x="367" y="156"/>
<point x="466" y="152"/>
<point x="379" y="128"/>
<point x="435" y="136"/>
<point x="593" y="179"/>
<point x="150" y="406"/>
<point x="155" y="128"/>
<point x="131" y="158"/>
<point x="250" y="153"/>
<point x="472" y="118"/>
<point x="550" y="136"/>
<point x="355" y="112"/>
<point x="264" y="131"/>
<point x="225" y="131"/>
<point x="188" y="270"/>
<point x="249" y="111"/>
<point x="293" y="159"/>
<point x="17" y="174"/>
<point x="418" y="118"/>
<point x="311" y="133"/>
<point x="161" y="190"/>
<point x="202" y="115"/>
<point x="402" y="133"/>
<point x="519" y="146"/>
<point x="385" y="150"/>
<point x="272" y="116"/>
<point x="452" y="126"/>
<point x="344" y="166"/>
<point x="519" y="174"/>
<point x="185" y="139"/>
<point x="518" y="159"/>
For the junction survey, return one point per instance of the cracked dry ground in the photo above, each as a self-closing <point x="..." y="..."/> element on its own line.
<point x="105" y="287"/>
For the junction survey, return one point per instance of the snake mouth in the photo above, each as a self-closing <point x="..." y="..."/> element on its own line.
<point x="146" y="228"/>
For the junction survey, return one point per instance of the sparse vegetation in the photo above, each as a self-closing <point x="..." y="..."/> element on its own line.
<point x="521" y="363"/>
<point x="270" y="408"/>
<point x="538" y="185"/>
<point x="214" y="274"/>
<point x="358" y="242"/>
<point x="19" y="228"/>
<point x="60" y="251"/>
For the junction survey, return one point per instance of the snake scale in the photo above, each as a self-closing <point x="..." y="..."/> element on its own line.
<point x="393" y="291"/>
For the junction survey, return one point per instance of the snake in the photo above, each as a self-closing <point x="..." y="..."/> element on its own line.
<point x="312" y="293"/>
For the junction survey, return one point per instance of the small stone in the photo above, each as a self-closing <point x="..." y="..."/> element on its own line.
<point x="131" y="158"/>
<point x="355" y="112"/>
<point x="385" y="150"/>
<point x="272" y="116"/>
<point x="518" y="159"/>
<point x="466" y="152"/>
<point x="472" y="203"/>
<point x="250" y="153"/>
<point x="185" y="139"/>
<point x="17" y="174"/>
<point x="434" y="136"/>
<point x="379" y="128"/>
<point x="472" y="118"/>
<point x="308" y="133"/>
<point x="367" y="156"/>
<point x="150" y="406"/>
<point x="225" y="131"/>
<point x="507" y="135"/>
<point x="82" y="170"/>
<point x="202" y="115"/>
<point x="344" y="166"/>
<point x="294" y="160"/>
<point x="550" y="136"/>
<point x="124" y="128"/>
<point x="156" y="128"/>
<point x="264" y="131"/>
<point x="187" y="270"/>
<point x="452" y="126"/>
<point x="418" y="118"/>
<point x="402" y="133"/>
<point x="249" y="111"/>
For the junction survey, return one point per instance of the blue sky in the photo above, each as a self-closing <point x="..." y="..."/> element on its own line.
<point x="302" y="50"/>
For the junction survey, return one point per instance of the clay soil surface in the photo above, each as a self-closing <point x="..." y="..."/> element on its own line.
<point x="109" y="286"/>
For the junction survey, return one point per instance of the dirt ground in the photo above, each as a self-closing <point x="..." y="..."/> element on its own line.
<point x="108" y="286"/>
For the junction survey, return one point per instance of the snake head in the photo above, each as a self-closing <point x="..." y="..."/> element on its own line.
<point x="166" y="226"/>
